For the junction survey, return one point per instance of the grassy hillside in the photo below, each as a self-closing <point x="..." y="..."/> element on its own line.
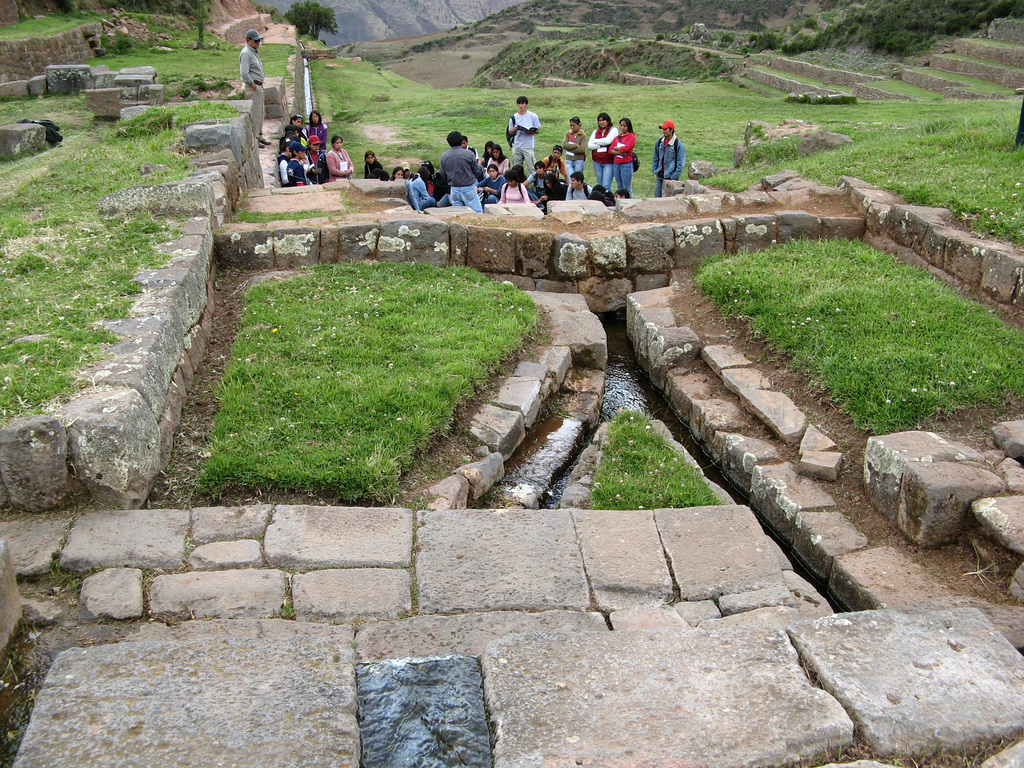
<point x="595" y="61"/>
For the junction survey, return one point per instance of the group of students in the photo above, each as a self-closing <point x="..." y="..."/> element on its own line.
<point x="302" y="157"/>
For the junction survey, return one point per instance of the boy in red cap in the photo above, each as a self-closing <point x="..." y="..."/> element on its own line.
<point x="669" y="157"/>
<point x="317" y="173"/>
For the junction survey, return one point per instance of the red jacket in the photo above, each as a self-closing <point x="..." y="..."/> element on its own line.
<point x="625" y="143"/>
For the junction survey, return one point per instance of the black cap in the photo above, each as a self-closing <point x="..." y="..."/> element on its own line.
<point x="252" y="34"/>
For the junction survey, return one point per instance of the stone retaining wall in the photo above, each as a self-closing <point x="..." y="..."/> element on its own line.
<point x="824" y="74"/>
<point x="21" y="59"/>
<point x="939" y="84"/>
<point x="993" y="73"/>
<point x="782" y="83"/>
<point x="604" y="267"/>
<point x="235" y="34"/>
<point x="869" y="93"/>
<point x="1011" y="57"/>
<point x="1007" y="30"/>
<point x="115" y="436"/>
<point x="923" y="236"/>
<point x="745" y="82"/>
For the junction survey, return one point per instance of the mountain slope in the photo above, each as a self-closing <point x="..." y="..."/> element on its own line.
<point x="379" y="19"/>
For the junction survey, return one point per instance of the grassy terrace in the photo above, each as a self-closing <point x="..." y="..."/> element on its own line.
<point x="50" y="24"/>
<point x="640" y="470"/>
<point x="62" y="267"/>
<point x="892" y="344"/>
<point x="932" y="153"/>
<point x="340" y="376"/>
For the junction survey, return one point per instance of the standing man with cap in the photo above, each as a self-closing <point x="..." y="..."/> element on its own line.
<point x="462" y="171"/>
<point x="251" y="70"/>
<point x="669" y="157"/>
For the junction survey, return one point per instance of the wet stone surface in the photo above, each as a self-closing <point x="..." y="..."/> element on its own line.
<point x="427" y="712"/>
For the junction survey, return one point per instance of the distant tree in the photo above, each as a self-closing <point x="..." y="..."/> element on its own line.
<point x="309" y="17"/>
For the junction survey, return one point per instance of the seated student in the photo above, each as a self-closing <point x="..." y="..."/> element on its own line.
<point x="429" y="177"/>
<point x="371" y="165"/>
<point x="577" y="189"/>
<point x="599" y="193"/>
<point x="622" y="193"/>
<point x="317" y="173"/>
<point x="497" y="157"/>
<point x="292" y="132"/>
<point x="297" y="166"/>
<point x="514" y="190"/>
<point x="416" y="188"/>
<point x="441" y="190"/>
<point x="490" y="188"/>
<point x="397" y="175"/>
<point x="555" y="163"/>
<point x="556" y="188"/>
<point x="535" y="181"/>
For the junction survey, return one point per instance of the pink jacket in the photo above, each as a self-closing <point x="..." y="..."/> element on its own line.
<point x="517" y="194"/>
<point x="334" y="165"/>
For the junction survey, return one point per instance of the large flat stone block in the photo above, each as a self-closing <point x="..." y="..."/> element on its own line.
<point x="696" y="240"/>
<point x="423" y="712"/>
<point x="573" y="325"/>
<point x="248" y="594"/>
<point x="33" y="543"/>
<point x="489" y="249"/>
<point x="466" y="633"/>
<point x="485" y="560"/>
<point x="500" y="429"/>
<point x="777" y="411"/>
<point x="21" y="139"/>
<point x="882" y="577"/>
<point x="211" y="524"/>
<point x="351" y="593"/>
<point x="782" y="496"/>
<point x="649" y="247"/>
<point x="196" y="705"/>
<point x="136" y="538"/>
<point x="115" y="444"/>
<point x="936" y="496"/>
<point x="623" y="557"/>
<point x="1002" y="518"/>
<point x="305" y="537"/>
<point x="422" y="240"/>
<point x="917" y="683"/>
<point x="886" y="457"/>
<point x="717" y="551"/>
<point x="643" y="698"/>
<point x="115" y="593"/>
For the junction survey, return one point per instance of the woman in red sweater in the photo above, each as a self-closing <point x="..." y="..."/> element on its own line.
<point x="622" y="150"/>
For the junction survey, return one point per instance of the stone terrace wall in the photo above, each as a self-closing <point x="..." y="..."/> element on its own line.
<point x="21" y="59"/>
<point x="782" y="83"/>
<point x="113" y="438"/>
<point x="993" y="73"/>
<point x="939" y="84"/>
<point x="604" y="267"/>
<point x="825" y="74"/>
<point x="8" y="13"/>
<point x="1011" y="57"/>
<point x="869" y="93"/>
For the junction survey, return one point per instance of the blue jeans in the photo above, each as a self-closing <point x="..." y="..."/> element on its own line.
<point x="575" y="165"/>
<point x="467" y="197"/>
<point x="624" y="176"/>
<point x="605" y="173"/>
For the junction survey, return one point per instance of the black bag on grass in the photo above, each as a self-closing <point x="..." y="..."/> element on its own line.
<point x="53" y="135"/>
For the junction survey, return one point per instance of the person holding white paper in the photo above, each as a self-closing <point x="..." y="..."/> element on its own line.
<point x="339" y="164"/>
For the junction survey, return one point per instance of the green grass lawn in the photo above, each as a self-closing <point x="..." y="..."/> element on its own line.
<point x="640" y="470"/>
<point x="63" y="268"/>
<point x="931" y="153"/>
<point x="49" y="24"/>
<point x="339" y="377"/>
<point x="893" y="345"/>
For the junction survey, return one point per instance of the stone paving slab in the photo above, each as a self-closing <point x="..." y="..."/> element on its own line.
<point x="771" y="617"/>
<point x="423" y="712"/>
<point x="306" y="537"/>
<point x="693" y="613"/>
<point x="717" y="551"/>
<point x="632" y="619"/>
<point x="777" y="411"/>
<point x="1012" y="757"/>
<point x="485" y="560"/>
<point x="218" y="555"/>
<point x="249" y="594"/>
<point x="135" y="538"/>
<point x="917" y="683"/>
<point x="33" y="543"/>
<point x="882" y="577"/>
<point x="574" y="326"/>
<point x="275" y="630"/>
<point x="352" y="593"/>
<point x="722" y="356"/>
<point x="115" y="593"/>
<point x="1002" y="518"/>
<point x="211" y="524"/>
<point x="729" y="699"/>
<point x="624" y="559"/>
<point x="466" y="633"/>
<point x="196" y="705"/>
<point x="500" y="429"/>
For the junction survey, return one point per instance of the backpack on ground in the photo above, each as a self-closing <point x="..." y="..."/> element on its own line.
<point x="53" y="135"/>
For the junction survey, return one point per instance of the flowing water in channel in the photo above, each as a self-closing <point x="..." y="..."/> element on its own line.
<point x="541" y="467"/>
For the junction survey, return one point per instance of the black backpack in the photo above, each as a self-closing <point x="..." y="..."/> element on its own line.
<point x="509" y="136"/>
<point x="53" y="135"/>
